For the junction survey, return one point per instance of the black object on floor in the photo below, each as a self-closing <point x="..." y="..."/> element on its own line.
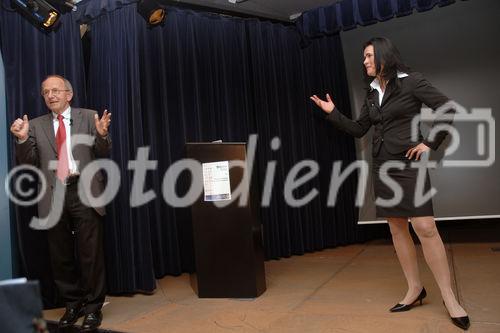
<point x="53" y="328"/>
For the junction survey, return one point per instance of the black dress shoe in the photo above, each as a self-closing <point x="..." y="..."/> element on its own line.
<point x="461" y="322"/>
<point x="91" y="321"/>
<point x="70" y="316"/>
<point x="405" y="307"/>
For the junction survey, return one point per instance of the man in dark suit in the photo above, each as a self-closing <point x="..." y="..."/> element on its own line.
<point x="79" y="275"/>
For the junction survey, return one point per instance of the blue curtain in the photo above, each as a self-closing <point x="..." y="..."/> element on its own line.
<point x="29" y="54"/>
<point x="6" y="253"/>
<point x="202" y="77"/>
<point x="88" y="10"/>
<point x="199" y="77"/>
<point x="347" y="14"/>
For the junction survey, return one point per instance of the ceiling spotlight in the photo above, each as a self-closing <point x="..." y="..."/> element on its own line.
<point x="40" y="11"/>
<point x="151" y="11"/>
<point x="236" y="1"/>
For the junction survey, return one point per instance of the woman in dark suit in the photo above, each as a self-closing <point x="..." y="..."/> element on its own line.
<point x="394" y="98"/>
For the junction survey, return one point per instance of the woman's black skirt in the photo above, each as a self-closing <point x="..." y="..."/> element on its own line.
<point x="406" y="178"/>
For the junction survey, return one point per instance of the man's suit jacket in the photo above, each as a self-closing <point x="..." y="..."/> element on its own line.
<point x="392" y="119"/>
<point x="40" y="148"/>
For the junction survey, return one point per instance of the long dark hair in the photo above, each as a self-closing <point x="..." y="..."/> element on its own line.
<point x="386" y="54"/>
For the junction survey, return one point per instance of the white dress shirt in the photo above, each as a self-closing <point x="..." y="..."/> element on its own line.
<point x="376" y="85"/>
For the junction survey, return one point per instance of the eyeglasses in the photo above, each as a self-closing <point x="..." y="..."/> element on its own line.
<point x="57" y="92"/>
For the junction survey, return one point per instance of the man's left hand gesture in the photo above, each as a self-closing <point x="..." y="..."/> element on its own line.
<point x="102" y="124"/>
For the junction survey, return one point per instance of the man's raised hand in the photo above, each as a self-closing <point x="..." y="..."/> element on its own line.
<point x="20" y="128"/>
<point x="102" y="124"/>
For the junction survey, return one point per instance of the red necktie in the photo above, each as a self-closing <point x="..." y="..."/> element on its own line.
<point x="62" y="153"/>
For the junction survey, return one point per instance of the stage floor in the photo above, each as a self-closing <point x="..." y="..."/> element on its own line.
<point x="346" y="289"/>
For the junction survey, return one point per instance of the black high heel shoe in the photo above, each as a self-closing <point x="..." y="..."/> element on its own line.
<point x="405" y="307"/>
<point x="461" y="322"/>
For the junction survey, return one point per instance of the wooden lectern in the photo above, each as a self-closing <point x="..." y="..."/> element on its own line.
<point x="227" y="241"/>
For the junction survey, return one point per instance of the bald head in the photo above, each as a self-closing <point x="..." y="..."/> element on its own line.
<point x="57" y="93"/>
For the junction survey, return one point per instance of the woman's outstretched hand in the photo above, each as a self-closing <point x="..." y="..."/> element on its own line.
<point x="326" y="106"/>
